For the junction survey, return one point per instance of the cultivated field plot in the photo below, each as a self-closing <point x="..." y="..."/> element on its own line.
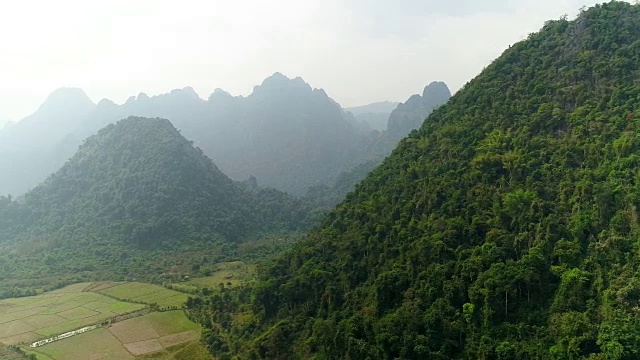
<point x="24" y="320"/>
<point x="146" y="293"/>
<point x="158" y="335"/>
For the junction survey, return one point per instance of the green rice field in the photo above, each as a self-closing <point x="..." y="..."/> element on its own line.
<point x="146" y="293"/>
<point x="129" y="330"/>
<point x="157" y="335"/>
<point x="24" y="320"/>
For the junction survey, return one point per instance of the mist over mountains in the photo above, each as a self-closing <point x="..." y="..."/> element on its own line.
<point x="374" y="115"/>
<point x="286" y="134"/>
<point x="4" y="120"/>
<point x="410" y="114"/>
<point x="498" y="223"/>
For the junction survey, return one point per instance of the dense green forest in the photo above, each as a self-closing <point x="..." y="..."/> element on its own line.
<point x="506" y="227"/>
<point x="135" y="200"/>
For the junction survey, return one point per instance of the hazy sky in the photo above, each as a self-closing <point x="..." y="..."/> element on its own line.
<point x="359" y="51"/>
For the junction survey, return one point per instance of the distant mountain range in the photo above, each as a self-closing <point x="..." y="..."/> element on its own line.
<point x="403" y="119"/>
<point x="411" y="114"/>
<point x="375" y="115"/>
<point x="286" y="134"/>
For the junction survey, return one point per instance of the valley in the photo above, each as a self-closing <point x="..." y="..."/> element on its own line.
<point x="497" y="221"/>
<point x="116" y="320"/>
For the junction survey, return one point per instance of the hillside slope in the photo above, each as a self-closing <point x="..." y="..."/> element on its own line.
<point x="138" y="186"/>
<point x="505" y="228"/>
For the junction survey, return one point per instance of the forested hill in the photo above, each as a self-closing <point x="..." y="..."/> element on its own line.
<point x="505" y="228"/>
<point x="140" y="185"/>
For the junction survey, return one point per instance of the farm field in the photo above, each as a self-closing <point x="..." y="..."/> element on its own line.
<point x="24" y="320"/>
<point x="145" y="293"/>
<point x="157" y="335"/>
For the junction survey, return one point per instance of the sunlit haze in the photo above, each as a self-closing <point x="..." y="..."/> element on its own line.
<point x="358" y="51"/>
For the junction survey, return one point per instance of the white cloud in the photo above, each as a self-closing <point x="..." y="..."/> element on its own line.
<point x="358" y="51"/>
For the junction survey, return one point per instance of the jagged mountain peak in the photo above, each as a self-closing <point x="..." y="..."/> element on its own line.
<point x="186" y="92"/>
<point x="411" y="114"/>
<point x="66" y="99"/>
<point x="220" y="92"/>
<point x="437" y="90"/>
<point x="106" y="103"/>
<point x="280" y="84"/>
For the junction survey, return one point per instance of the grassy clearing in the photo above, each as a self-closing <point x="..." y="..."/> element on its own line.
<point x="147" y="294"/>
<point x="229" y="273"/>
<point x="33" y="318"/>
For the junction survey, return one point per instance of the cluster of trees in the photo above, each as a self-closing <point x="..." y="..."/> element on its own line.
<point x="505" y="228"/>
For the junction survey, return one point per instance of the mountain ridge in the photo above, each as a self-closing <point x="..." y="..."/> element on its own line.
<point x="299" y="128"/>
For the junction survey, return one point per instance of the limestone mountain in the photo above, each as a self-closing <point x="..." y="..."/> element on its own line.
<point x="36" y="146"/>
<point x="285" y="133"/>
<point x="410" y="114"/>
<point x="377" y="145"/>
<point x="506" y="227"/>
<point x="138" y="185"/>
<point x="60" y="113"/>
